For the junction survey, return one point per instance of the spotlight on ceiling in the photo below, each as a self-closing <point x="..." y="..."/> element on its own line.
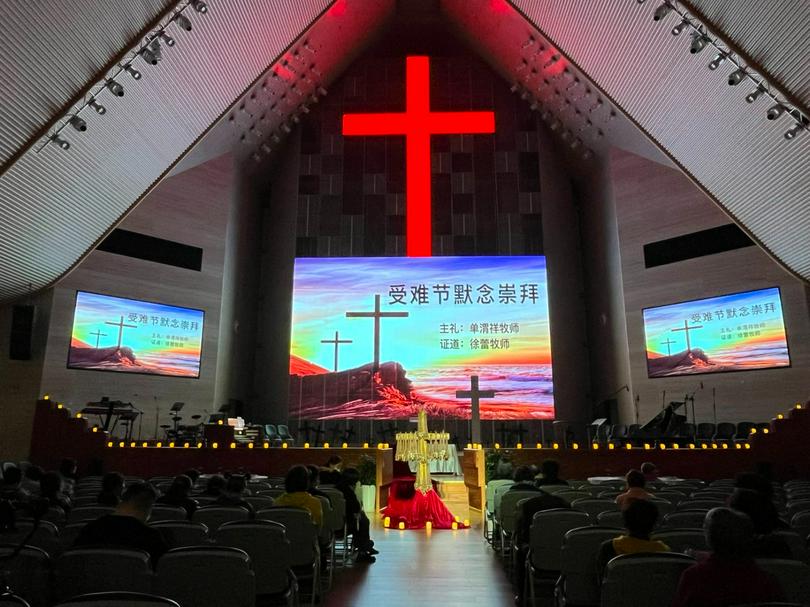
<point x="676" y="31"/>
<point x="115" y="88"/>
<point x="183" y="22"/>
<point x="754" y="95"/>
<point x="199" y="6"/>
<point x="587" y="154"/>
<point x="99" y="109"/>
<point x="166" y="38"/>
<point x="77" y="123"/>
<point x="735" y="77"/>
<point x="136" y="75"/>
<point x="699" y="42"/>
<point x="775" y="111"/>
<point x="793" y="131"/>
<point x="718" y="59"/>
<point x="662" y="11"/>
<point x="266" y="148"/>
<point x="514" y="88"/>
<point x="151" y="54"/>
<point x="286" y="127"/>
<point x="62" y="143"/>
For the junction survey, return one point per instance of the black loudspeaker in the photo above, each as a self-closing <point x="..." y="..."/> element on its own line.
<point x="22" y="326"/>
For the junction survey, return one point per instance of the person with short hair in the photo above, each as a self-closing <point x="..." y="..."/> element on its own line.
<point x="67" y="472"/>
<point x="214" y="485"/>
<point x="112" y="488"/>
<point x="234" y="494"/>
<point x="765" y="520"/>
<point x="650" y="472"/>
<point x="126" y="527"/>
<point x="357" y="522"/>
<point x="330" y="474"/>
<point x="635" y="489"/>
<point x="524" y="479"/>
<point x="550" y="473"/>
<point x="729" y="576"/>
<point x="11" y="489"/>
<point x="50" y="489"/>
<point x="295" y="494"/>
<point x="179" y="495"/>
<point x="193" y="474"/>
<point x="32" y="478"/>
<point x="639" y="521"/>
<point x="314" y="480"/>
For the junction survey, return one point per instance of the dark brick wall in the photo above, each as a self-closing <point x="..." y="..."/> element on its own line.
<point x="486" y="188"/>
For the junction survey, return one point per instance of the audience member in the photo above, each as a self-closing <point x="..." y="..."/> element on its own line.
<point x="11" y="489"/>
<point x="127" y="527"/>
<point x="33" y="476"/>
<point x="50" y="489"/>
<point x="765" y="520"/>
<point x="524" y="479"/>
<point x="112" y="488"/>
<point x="234" y="494"/>
<point x="639" y="517"/>
<point x="179" y="495"/>
<point x="295" y="494"/>
<point x="330" y="474"/>
<point x="635" y="489"/>
<point x="729" y="576"/>
<point x="67" y="472"/>
<point x="357" y="522"/>
<point x="313" y="483"/>
<point x="550" y="473"/>
<point x="194" y="475"/>
<point x="214" y="486"/>
<point x="650" y="472"/>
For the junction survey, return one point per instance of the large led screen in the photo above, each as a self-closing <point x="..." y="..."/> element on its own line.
<point x="132" y="336"/>
<point x="433" y="322"/>
<point x="737" y="332"/>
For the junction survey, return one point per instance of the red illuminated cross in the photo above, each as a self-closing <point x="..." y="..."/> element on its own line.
<point x="418" y="123"/>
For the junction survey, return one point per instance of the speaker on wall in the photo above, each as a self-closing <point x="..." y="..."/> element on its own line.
<point x="22" y="326"/>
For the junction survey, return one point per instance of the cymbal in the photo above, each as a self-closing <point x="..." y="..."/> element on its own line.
<point x="164" y="426"/>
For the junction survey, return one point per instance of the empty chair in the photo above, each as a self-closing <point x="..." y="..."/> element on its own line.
<point x="213" y="516"/>
<point x="88" y="569"/>
<point x="705" y="432"/>
<point x="679" y="519"/>
<point x="723" y="483"/>
<point x="611" y="518"/>
<point x="577" y="584"/>
<point x="594" y="506"/>
<point x="700" y="504"/>
<point x="28" y="573"/>
<point x="725" y="432"/>
<point x="182" y="534"/>
<point x="42" y="538"/>
<point x="269" y="549"/>
<point x="673" y="497"/>
<point x="664" y="507"/>
<point x="643" y="580"/>
<point x="167" y="513"/>
<point x="744" y="430"/>
<point x="794" y="507"/>
<point x="88" y="513"/>
<point x="800" y="523"/>
<point x="259" y="502"/>
<point x="256" y="486"/>
<point x="55" y="515"/>
<point x="271" y="434"/>
<point x="118" y="599"/>
<point x="490" y="502"/>
<point x="793" y="577"/>
<point x="284" y="434"/>
<point x="13" y="600"/>
<point x="507" y="517"/>
<point x="680" y="540"/>
<point x="618" y="432"/>
<point x="206" y="576"/>
<point x="610" y="494"/>
<point x="570" y="496"/>
<point x="707" y="494"/>
<point x="796" y="542"/>
<point x="686" y="432"/>
<point x="69" y="533"/>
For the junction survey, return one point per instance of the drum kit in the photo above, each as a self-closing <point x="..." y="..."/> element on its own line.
<point x="182" y="432"/>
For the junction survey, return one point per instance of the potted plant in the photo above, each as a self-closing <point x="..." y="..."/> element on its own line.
<point x="367" y="469"/>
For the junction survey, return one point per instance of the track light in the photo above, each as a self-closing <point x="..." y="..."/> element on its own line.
<point x="199" y="6"/>
<point x="662" y="11"/>
<point x="151" y="54"/>
<point x="62" y="143"/>
<point x="99" y="109"/>
<point x="286" y="127"/>
<point x="115" y="88"/>
<point x="77" y="123"/>
<point x="793" y="131"/>
<point x="587" y="154"/>
<point x="183" y="22"/>
<point x="718" y="59"/>
<point x="735" y="77"/>
<point x="136" y="75"/>
<point x="514" y="88"/>
<point x="775" y="111"/>
<point x="754" y="95"/>
<point x="266" y="148"/>
<point x="166" y="38"/>
<point x="676" y="31"/>
<point x="321" y="91"/>
<point x="699" y="42"/>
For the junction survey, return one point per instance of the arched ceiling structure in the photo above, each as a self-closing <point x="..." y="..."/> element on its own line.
<point x="248" y="70"/>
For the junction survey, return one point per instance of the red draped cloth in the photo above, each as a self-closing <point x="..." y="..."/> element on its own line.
<point x="412" y="507"/>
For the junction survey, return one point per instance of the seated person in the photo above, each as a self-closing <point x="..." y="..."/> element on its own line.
<point x="635" y="489"/>
<point x="314" y="474"/>
<point x="760" y="510"/>
<point x="357" y="522"/>
<point x="330" y="474"/>
<point x="11" y="489"/>
<point x="729" y="576"/>
<point x="295" y="494"/>
<point x="234" y="492"/>
<point x="112" y="487"/>
<point x="67" y="471"/>
<point x="127" y="525"/>
<point x="178" y="495"/>
<point x="33" y="475"/>
<point x="214" y="486"/>
<point x="650" y="472"/>
<point x="194" y="475"/>
<point x="639" y="520"/>
<point x="770" y="514"/>
<point x="50" y="489"/>
<point x="550" y="474"/>
<point x="524" y="479"/>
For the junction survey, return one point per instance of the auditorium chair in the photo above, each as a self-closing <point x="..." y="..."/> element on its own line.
<point x="680" y="519"/>
<point x="271" y="434"/>
<point x="680" y="540"/>
<point x="610" y="518"/>
<point x="55" y="515"/>
<point x="796" y="542"/>
<point x="796" y="506"/>
<point x="672" y="496"/>
<point x="259" y="502"/>
<point x="79" y="501"/>
<point x="44" y="537"/>
<point x="643" y="580"/>
<point x="206" y="576"/>
<point x="284" y="434"/>
<point x="800" y="523"/>
<point x="167" y="513"/>
<point x="119" y="599"/>
<point x="700" y="504"/>
<point x="611" y="494"/>
<point x="96" y="569"/>
<point x="489" y="510"/>
<point x="546" y="536"/>
<point x="793" y="577"/>
<point x="269" y="549"/>
<point x="571" y="496"/>
<point x="664" y="507"/>
<point x="507" y="515"/>
<point x="744" y="431"/>
<point x="69" y="533"/>
<point x="88" y="513"/>
<point x="28" y="574"/>
<point x="577" y="584"/>
<point x="725" y="432"/>
<point x="213" y="516"/>
<point x="12" y="600"/>
<point x="592" y="507"/>
<point x="255" y="486"/>
<point x="338" y="522"/>
<point x="182" y="534"/>
<point x="705" y="432"/>
<point x="618" y="432"/>
<point x="271" y="493"/>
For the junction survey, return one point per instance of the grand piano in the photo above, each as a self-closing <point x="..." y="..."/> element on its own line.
<point x="663" y="426"/>
<point x="112" y="412"/>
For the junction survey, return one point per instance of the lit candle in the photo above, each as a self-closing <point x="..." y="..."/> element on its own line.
<point x="401" y="525"/>
<point x="454" y="526"/>
<point x="428" y="526"/>
<point x="466" y="522"/>
<point x="387" y="522"/>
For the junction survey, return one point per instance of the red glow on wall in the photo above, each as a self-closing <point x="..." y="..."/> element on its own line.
<point x="338" y="9"/>
<point x="417" y="124"/>
<point x="499" y="6"/>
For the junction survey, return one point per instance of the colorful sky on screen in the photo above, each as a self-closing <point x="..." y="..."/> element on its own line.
<point x="165" y="340"/>
<point x="326" y="288"/>
<point x="740" y="331"/>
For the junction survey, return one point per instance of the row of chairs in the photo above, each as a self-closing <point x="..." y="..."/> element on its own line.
<point x="702" y="432"/>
